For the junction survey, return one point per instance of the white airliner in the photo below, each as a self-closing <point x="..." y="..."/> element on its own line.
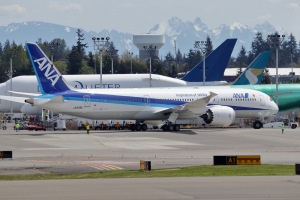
<point x="215" y="106"/>
<point x="216" y="63"/>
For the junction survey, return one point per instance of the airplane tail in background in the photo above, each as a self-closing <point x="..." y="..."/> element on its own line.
<point x="49" y="78"/>
<point x="215" y="64"/>
<point x="254" y="72"/>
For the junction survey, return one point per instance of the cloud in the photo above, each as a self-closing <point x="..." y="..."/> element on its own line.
<point x="12" y="9"/>
<point x="65" y="7"/>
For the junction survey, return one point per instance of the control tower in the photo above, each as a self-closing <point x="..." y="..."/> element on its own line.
<point x="148" y="43"/>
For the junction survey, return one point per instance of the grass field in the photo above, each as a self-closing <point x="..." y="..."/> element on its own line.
<point x="196" y="171"/>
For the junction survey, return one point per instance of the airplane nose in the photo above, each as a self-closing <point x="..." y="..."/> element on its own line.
<point x="275" y="108"/>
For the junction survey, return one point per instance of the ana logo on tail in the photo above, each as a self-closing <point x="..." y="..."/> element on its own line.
<point x="46" y="67"/>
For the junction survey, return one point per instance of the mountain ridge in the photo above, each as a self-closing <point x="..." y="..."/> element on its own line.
<point x="184" y="32"/>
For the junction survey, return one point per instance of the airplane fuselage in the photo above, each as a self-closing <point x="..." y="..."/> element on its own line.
<point x="141" y="104"/>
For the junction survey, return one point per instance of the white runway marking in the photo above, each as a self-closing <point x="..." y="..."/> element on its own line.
<point x="93" y="164"/>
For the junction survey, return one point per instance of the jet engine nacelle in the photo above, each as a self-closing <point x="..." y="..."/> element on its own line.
<point x="219" y="115"/>
<point x="31" y="110"/>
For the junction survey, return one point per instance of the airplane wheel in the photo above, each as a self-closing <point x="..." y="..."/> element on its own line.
<point x="176" y="127"/>
<point x="138" y="127"/>
<point x="170" y="127"/>
<point x="257" y="125"/>
<point x="132" y="127"/>
<point x="164" y="127"/>
<point x="144" y="127"/>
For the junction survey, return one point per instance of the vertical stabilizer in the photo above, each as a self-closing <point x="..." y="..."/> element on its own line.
<point x="215" y="64"/>
<point x="49" y="78"/>
<point x="254" y="72"/>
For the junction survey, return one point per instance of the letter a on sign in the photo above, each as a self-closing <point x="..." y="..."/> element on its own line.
<point x="231" y="160"/>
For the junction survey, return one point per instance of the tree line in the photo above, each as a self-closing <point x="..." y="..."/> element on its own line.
<point x="76" y="60"/>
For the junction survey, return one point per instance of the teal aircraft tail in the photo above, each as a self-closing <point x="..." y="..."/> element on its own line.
<point x="254" y="72"/>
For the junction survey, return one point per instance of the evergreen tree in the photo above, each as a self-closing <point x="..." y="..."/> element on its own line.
<point x="266" y="79"/>
<point x="74" y="61"/>
<point x="59" y="49"/>
<point x="193" y="58"/>
<point x="208" y="46"/>
<point x="80" y="45"/>
<point x="1" y="50"/>
<point x="15" y="55"/>
<point x="91" y="62"/>
<point x="21" y="65"/>
<point x="56" y="49"/>
<point x="179" y="61"/>
<point x="106" y="63"/>
<point x="169" y="62"/>
<point x="258" y="45"/>
<point x="241" y="60"/>
<point x="112" y="52"/>
<point x="174" y="73"/>
<point x="77" y="55"/>
<point x="289" y="52"/>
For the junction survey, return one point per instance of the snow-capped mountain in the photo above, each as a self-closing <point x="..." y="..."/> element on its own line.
<point x="185" y="34"/>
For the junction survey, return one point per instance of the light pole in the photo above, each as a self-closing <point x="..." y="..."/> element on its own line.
<point x="150" y="49"/>
<point x="10" y="74"/>
<point x="276" y="40"/>
<point x="292" y="55"/>
<point x="130" y="54"/>
<point x="202" y="46"/>
<point x="52" y="45"/>
<point x="100" y="44"/>
<point x="10" y="77"/>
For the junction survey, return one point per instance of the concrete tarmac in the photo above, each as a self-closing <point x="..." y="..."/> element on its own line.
<point x="281" y="187"/>
<point x="77" y="152"/>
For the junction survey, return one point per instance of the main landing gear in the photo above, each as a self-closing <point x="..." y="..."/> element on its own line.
<point x="138" y="127"/>
<point x="257" y="124"/>
<point x="170" y="127"/>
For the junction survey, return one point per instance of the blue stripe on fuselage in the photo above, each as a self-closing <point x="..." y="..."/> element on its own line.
<point x="116" y="99"/>
<point x="130" y="100"/>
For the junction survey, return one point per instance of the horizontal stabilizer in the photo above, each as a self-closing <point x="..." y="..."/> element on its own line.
<point x="14" y="99"/>
<point x="25" y="94"/>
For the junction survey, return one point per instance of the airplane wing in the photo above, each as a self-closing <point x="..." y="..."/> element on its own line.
<point x="14" y="99"/>
<point x="26" y="94"/>
<point x="198" y="106"/>
<point x="57" y="99"/>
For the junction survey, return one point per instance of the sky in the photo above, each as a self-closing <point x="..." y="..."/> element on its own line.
<point x="139" y="16"/>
